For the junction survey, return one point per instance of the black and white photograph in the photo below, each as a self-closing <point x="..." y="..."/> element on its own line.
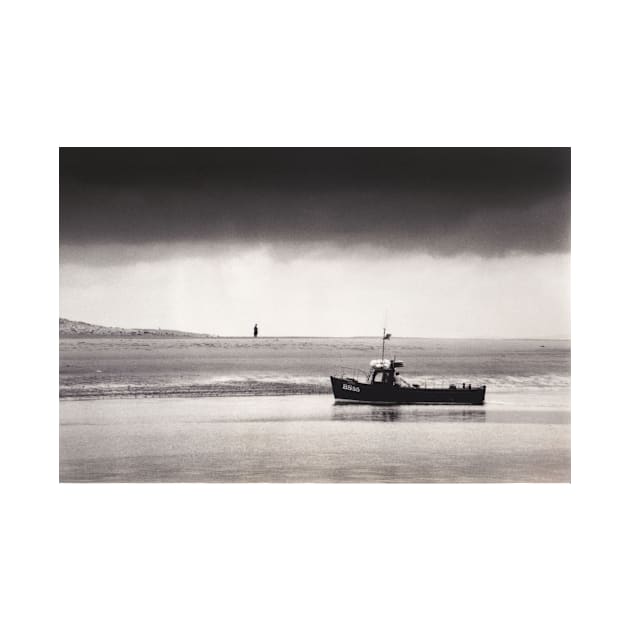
<point x="315" y="315"/>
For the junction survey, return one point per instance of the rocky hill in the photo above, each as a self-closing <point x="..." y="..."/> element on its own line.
<point x="70" y="328"/>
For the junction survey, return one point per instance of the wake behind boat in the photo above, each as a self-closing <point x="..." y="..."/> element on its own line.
<point x="384" y="385"/>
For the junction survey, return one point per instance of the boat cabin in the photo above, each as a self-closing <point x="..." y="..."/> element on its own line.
<point x="383" y="371"/>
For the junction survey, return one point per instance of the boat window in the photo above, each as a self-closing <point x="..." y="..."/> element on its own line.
<point x="382" y="377"/>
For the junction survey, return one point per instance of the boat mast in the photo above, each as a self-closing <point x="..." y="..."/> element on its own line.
<point x="383" y="350"/>
<point x="385" y="336"/>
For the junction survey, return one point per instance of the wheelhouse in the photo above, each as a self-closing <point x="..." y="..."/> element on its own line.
<point x="383" y="371"/>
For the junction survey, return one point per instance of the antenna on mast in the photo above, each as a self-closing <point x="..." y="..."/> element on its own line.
<point x="386" y="335"/>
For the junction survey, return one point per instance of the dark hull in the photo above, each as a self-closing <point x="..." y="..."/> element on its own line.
<point x="349" y="390"/>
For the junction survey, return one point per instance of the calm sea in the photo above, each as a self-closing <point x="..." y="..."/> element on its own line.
<point x="239" y="410"/>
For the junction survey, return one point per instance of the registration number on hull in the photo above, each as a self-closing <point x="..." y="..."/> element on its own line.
<point x="350" y="388"/>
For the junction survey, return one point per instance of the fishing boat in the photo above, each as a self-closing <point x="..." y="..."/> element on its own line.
<point x="383" y="385"/>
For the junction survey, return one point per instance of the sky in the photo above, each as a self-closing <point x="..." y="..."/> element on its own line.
<point x="328" y="242"/>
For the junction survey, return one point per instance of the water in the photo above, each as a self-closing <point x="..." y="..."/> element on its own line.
<point x="166" y="410"/>
<point x="106" y="367"/>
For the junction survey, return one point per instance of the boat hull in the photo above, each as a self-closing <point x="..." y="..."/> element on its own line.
<point x="351" y="391"/>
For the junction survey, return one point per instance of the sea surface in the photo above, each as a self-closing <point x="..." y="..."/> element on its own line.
<point x="245" y="410"/>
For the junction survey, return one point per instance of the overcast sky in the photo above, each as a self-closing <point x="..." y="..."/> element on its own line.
<point x="447" y="242"/>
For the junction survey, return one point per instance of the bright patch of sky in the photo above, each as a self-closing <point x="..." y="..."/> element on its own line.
<point x="331" y="294"/>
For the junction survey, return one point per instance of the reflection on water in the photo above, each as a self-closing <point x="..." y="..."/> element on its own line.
<point x="407" y="413"/>
<point x="310" y="439"/>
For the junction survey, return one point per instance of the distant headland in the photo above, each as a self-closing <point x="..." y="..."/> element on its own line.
<point x="70" y="328"/>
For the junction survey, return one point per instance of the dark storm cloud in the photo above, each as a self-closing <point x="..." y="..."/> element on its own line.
<point x="443" y="201"/>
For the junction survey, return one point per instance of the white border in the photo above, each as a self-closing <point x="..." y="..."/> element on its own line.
<point x="343" y="73"/>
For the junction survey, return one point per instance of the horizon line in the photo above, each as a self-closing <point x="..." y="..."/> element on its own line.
<point x="562" y="337"/>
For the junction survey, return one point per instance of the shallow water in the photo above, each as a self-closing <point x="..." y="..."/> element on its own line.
<point x="105" y="367"/>
<point x="239" y="410"/>
<point x="311" y="439"/>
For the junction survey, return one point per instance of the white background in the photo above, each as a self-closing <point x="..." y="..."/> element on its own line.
<point x="302" y="556"/>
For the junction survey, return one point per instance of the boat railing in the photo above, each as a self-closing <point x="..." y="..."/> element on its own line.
<point x="351" y="373"/>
